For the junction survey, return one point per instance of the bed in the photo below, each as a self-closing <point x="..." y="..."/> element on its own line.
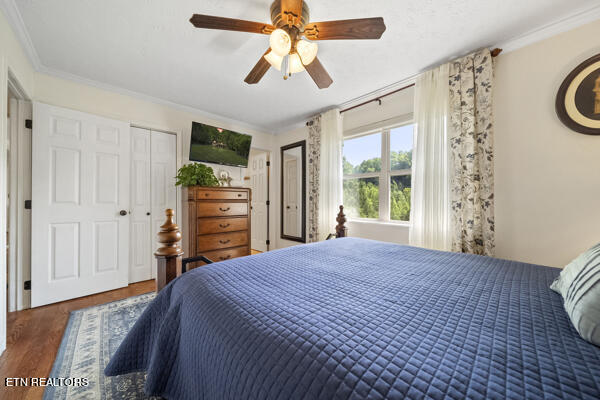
<point x="356" y="319"/>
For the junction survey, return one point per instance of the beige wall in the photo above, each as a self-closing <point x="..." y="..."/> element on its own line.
<point x="547" y="176"/>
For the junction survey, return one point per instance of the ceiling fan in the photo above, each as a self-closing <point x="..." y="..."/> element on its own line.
<point x="288" y="51"/>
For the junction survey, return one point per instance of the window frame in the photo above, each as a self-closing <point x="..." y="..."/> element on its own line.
<point x="386" y="173"/>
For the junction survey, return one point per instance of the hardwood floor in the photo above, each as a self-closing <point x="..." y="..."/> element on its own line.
<point x="34" y="336"/>
<point x="253" y="252"/>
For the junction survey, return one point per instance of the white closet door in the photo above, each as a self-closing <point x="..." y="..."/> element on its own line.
<point x="141" y="220"/>
<point x="258" y="184"/>
<point x="80" y="186"/>
<point x="164" y="193"/>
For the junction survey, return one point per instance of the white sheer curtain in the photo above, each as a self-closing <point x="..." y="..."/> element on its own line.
<point x="331" y="177"/>
<point x="430" y="213"/>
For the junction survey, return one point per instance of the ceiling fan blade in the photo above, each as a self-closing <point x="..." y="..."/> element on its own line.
<point x="317" y="72"/>
<point x="291" y="11"/>
<point x="259" y="70"/>
<point x="364" y="28"/>
<point x="230" y="24"/>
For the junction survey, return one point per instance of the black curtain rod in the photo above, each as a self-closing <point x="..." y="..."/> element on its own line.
<point x="495" y="53"/>
<point x="378" y="98"/>
<point x="309" y="123"/>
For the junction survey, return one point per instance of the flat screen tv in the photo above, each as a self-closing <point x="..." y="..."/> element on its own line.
<point x="219" y="146"/>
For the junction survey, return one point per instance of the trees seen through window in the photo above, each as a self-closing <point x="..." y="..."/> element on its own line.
<point x="366" y="176"/>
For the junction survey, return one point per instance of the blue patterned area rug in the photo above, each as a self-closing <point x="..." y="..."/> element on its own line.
<point x="91" y="338"/>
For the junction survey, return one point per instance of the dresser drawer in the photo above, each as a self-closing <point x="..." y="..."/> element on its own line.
<point x="209" y="209"/>
<point x="207" y="194"/>
<point x="219" y="225"/>
<point x="221" y="241"/>
<point x="221" y="255"/>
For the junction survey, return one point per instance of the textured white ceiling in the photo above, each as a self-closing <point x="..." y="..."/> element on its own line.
<point x="148" y="46"/>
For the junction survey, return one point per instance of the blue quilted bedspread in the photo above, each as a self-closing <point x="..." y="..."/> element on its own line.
<point x="358" y="319"/>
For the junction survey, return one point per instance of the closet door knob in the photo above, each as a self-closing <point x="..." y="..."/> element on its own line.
<point x="122" y="213"/>
<point x="147" y="213"/>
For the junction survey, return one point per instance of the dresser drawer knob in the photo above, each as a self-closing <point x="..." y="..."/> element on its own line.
<point x="239" y="195"/>
<point x="225" y="258"/>
<point x="224" y="225"/>
<point x="224" y="241"/>
<point x="224" y="209"/>
<point x="207" y="194"/>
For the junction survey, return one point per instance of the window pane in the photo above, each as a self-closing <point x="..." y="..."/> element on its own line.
<point x="362" y="154"/>
<point x="361" y="197"/>
<point x="400" y="198"/>
<point x="401" y="145"/>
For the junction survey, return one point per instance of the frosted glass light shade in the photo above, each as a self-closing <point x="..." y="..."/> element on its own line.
<point x="281" y="43"/>
<point x="274" y="60"/>
<point x="307" y="51"/>
<point x="295" y="64"/>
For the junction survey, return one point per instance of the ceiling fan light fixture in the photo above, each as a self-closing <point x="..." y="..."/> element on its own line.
<point x="307" y="51"/>
<point x="281" y="43"/>
<point x="295" y="64"/>
<point x="274" y="59"/>
<point x="289" y="52"/>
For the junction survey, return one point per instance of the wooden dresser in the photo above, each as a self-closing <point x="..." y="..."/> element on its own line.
<point x="218" y="223"/>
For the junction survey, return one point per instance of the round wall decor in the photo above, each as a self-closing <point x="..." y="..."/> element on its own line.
<point x="578" y="99"/>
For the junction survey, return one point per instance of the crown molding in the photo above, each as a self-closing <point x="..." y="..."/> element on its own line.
<point x="577" y="18"/>
<point x="564" y="24"/>
<point x="574" y="20"/>
<point x="12" y="14"/>
<point x="214" y="119"/>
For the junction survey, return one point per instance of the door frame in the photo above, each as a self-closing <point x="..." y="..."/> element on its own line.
<point x="20" y="217"/>
<point x="8" y="83"/>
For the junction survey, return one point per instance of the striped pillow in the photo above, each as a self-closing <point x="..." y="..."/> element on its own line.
<point x="579" y="285"/>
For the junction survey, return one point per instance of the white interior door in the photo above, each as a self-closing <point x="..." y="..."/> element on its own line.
<point x="163" y="158"/>
<point x="153" y="170"/>
<point x="80" y="186"/>
<point x="141" y="207"/>
<point x="258" y="184"/>
<point x="291" y="197"/>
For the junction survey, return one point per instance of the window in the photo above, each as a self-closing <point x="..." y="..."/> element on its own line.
<point x="377" y="174"/>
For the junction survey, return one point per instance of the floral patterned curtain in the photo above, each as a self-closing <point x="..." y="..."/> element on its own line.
<point x="314" y="169"/>
<point x="472" y="156"/>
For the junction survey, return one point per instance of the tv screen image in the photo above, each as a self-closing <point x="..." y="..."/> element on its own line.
<point x="219" y="146"/>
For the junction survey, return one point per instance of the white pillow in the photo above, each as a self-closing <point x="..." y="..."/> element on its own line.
<point x="579" y="285"/>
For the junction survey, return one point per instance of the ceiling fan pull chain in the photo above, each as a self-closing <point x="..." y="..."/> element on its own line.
<point x="286" y="67"/>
